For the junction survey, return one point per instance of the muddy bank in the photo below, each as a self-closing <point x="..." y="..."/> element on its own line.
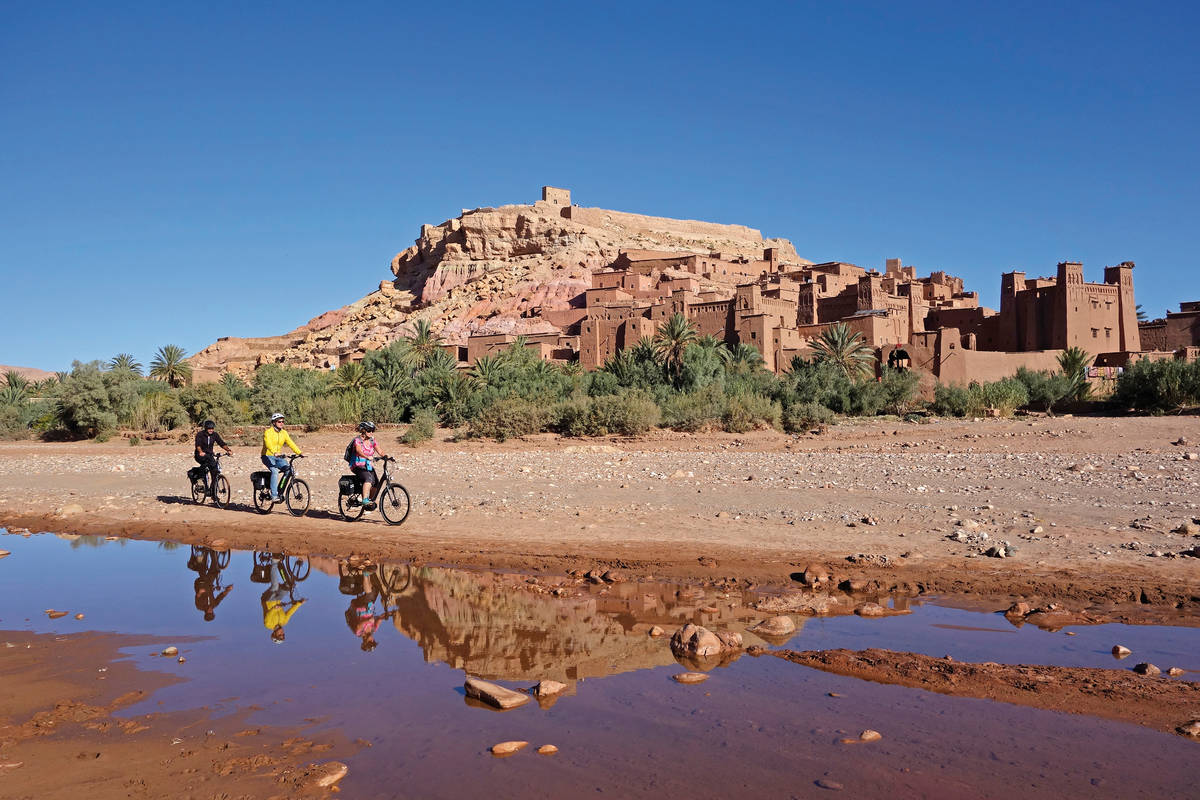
<point x="1161" y="703"/>
<point x="64" y="725"/>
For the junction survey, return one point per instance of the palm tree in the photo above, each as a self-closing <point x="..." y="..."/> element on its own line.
<point x="715" y="346"/>
<point x="622" y="366"/>
<point x="486" y="370"/>
<point x="1074" y="362"/>
<point x="125" y="362"/>
<point x="422" y="345"/>
<point x="353" y="377"/>
<point x="844" y="349"/>
<point x="168" y="365"/>
<point x="1141" y="315"/>
<point x="744" y="358"/>
<point x="15" y="390"/>
<point x="672" y="340"/>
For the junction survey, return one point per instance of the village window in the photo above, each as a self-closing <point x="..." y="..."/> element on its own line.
<point x="1095" y="332"/>
<point x="1108" y="333"/>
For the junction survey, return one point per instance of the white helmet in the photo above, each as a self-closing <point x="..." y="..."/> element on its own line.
<point x="276" y="416"/>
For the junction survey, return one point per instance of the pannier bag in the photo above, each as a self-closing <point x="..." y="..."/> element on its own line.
<point x="196" y="474"/>
<point x="261" y="480"/>
<point x="349" y="484"/>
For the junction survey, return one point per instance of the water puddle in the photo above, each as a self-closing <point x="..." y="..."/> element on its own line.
<point x="381" y="653"/>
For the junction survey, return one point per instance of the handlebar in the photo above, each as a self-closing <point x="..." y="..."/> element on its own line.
<point x="294" y="456"/>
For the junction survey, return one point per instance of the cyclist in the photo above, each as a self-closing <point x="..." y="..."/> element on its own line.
<point x="207" y="439"/>
<point x="365" y="449"/>
<point x="274" y="440"/>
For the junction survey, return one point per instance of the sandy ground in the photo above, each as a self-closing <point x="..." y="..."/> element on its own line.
<point x="1090" y="507"/>
<point x="63" y="730"/>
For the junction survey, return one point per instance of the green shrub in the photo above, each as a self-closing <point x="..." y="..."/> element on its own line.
<point x="694" y="411"/>
<point x="803" y="417"/>
<point x="951" y="400"/>
<point x="748" y="412"/>
<point x="898" y="390"/>
<point x="159" y="411"/>
<point x="628" y="414"/>
<point x="204" y="401"/>
<point x="510" y="417"/>
<point x="1046" y="389"/>
<point x="12" y="422"/>
<point x="1159" y="386"/>
<point x="103" y="436"/>
<point x="1002" y="397"/>
<point x="421" y="429"/>
<point x="134" y="441"/>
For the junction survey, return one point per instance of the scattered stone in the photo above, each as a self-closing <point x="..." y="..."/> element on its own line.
<point x="1188" y="528"/>
<point x="1120" y="650"/>
<point x="775" y="626"/>
<point x="507" y="748"/>
<point x="1191" y="456"/>
<point x="614" y="576"/>
<point x="1147" y="669"/>
<point x="655" y="632"/>
<point x="170" y="651"/>
<point x="1037" y="529"/>
<point x="730" y="640"/>
<point x="546" y="688"/>
<point x="79" y="616"/>
<point x="182" y="659"/>
<point x="1019" y="609"/>
<point x="693" y="640"/>
<point x="327" y="774"/>
<point x="815" y="573"/>
<point x="1191" y="729"/>
<point x="4" y="554"/>
<point x="594" y="575"/>
<point x="493" y="694"/>
<point x="690" y="677"/>
<point x="1175" y="672"/>
<point x="52" y="614"/>
<point x="547" y="750"/>
<point x="69" y="509"/>
<point x="870" y="736"/>
<point x="996" y="551"/>
<point x="825" y="783"/>
<point x="834" y="694"/>
<point x="870" y="610"/>
<point x="705" y="561"/>
<point x="1180" y="442"/>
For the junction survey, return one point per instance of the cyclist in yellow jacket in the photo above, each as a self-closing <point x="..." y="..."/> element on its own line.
<point x="274" y="440"/>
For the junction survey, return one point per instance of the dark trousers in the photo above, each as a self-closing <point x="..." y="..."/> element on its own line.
<point x="209" y="462"/>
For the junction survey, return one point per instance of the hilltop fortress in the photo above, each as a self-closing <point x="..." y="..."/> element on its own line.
<point x="583" y="283"/>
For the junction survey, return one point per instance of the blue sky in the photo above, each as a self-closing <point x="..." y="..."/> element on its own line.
<point x="173" y="173"/>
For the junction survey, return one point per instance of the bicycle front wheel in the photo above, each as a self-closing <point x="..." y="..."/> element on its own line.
<point x="298" y="497"/>
<point x="221" y="492"/>
<point x="350" y="506"/>
<point x="394" y="503"/>
<point x="298" y="567"/>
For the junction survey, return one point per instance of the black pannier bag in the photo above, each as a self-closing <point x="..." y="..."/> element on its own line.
<point x="196" y="474"/>
<point x="261" y="480"/>
<point x="349" y="484"/>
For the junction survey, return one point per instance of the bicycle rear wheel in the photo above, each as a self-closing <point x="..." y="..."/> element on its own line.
<point x="262" y="501"/>
<point x="199" y="490"/>
<point x="221" y="492"/>
<point x="297" y="497"/>
<point x="394" y="503"/>
<point x="395" y="578"/>
<point x="350" y="506"/>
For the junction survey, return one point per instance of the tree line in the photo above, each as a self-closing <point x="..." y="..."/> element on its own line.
<point x="676" y="379"/>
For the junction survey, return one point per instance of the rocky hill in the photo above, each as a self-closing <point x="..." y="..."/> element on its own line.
<point x="29" y="373"/>
<point x="489" y="270"/>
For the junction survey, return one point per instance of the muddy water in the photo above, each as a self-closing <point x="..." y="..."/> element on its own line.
<point x="381" y="653"/>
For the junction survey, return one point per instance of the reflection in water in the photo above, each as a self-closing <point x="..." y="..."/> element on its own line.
<point x="374" y="589"/>
<point x="279" y="601"/>
<point x="208" y="564"/>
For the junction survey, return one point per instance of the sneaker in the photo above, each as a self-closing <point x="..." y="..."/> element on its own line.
<point x="276" y="500"/>
<point x="368" y="505"/>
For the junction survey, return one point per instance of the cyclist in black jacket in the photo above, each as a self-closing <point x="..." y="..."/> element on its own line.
<point x="206" y="440"/>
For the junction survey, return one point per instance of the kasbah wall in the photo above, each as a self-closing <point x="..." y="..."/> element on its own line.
<point x="778" y="307"/>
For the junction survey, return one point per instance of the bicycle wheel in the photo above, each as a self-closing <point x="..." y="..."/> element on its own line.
<point x="395" y="578"/>
<point x="199" y="490"/>
<point x="297" y="497"/>
<point x="262" y="501"/>
<point x="298" y="567"/>
<point x="394" y="503"/>
<point x="221" y="492"/>
<point x="350" y="505"/>
<point x="223" y="559"/>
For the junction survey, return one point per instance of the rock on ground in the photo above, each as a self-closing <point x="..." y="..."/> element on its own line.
<point x="493" y="694"/>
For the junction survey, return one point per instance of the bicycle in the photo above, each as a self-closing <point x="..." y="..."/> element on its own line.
<point x="293" y="490"/>
<point x="393" y="500"/>
<point x="292" y="569"/>
<point x="219" y="492"/>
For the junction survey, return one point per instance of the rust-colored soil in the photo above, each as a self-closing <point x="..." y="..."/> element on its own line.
<point x="1155" y="702"/>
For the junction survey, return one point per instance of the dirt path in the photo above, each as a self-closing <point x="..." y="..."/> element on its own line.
<point x="1088" y="507"/>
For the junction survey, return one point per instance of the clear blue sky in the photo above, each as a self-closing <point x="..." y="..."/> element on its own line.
<point x="174" y="172"/>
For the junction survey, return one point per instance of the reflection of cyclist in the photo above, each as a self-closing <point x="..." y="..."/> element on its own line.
<point x="274" y="440"/>
<point x="363" y="620"/>
<point x="278" y="605"/>
<point x="206" y="442"/>
<point x="209" y="592"/>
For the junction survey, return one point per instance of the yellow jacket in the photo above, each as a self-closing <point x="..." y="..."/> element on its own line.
<point x="274" y="615"/>
<point x="273" y="442"/>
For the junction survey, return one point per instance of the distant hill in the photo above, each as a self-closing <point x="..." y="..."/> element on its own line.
<point x="31" y="373"/>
